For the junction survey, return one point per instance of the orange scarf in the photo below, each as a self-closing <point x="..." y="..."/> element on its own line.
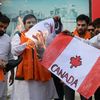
<point x="1" y="75"/>
<point x="30" y="67"/>
<point x="86" y="36"/>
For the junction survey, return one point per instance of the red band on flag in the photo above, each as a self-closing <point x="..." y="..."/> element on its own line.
<point x="87" y="87"/>
<point x="55" y="49"/>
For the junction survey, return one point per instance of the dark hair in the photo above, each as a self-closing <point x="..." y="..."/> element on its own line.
<point x="96" y="22"/>
<point x="91" y="24"/>
<point x="27" y="17"/>
<point x="0" y="14"/>
<point x="67" y="32"/>
<point x="83" y="17"/>
<point x="4" y="18"/>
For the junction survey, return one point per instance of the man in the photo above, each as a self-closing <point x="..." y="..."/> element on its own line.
<point x="96" y="24"/>
<point x="33" y="81"/>
<point x="82" y="25"/>
<point x="91" y="29"/>
<point x="82" y="22"/>
<point x="5" y="54"/>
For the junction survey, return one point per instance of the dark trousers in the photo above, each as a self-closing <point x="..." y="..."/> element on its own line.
<point x="70" y="94"/>
<point x="59" y="87"/>
<point x="82" y="98"/>
<point x="97" y="94"/>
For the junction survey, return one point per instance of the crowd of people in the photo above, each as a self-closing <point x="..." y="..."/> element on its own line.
<point x="31" y="80"/>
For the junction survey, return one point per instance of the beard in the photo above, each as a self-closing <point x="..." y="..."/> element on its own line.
<point x="2" y="33"/>
<point x="81" y="32"/>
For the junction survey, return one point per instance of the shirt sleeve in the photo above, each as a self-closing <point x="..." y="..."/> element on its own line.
<point x="10" y="55"/>
<point x="17" y="48"/>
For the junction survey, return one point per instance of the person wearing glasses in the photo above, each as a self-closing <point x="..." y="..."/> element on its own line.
<point x="91" y="29"/>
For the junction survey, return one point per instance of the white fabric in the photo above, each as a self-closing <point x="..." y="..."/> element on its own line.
<point x="33" y="90"/>
<point x="92" y="40"/>
<point x="45" y="26"/>
<point x="5" y="47"/>
<point x="97" y="41"/>
<point x="3" y="87"/>
<point x="18" y="49"/>
<point x="5" y="54"/>
<point x="50" y="38"/>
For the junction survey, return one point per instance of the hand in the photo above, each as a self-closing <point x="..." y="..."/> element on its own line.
<point x="67" y="32"/>
<point x="2" y="64"/>
<point x="30" y="43"/>
<point x="41" y="40"/>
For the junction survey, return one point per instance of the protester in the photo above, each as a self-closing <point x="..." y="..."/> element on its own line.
<point x="5" y="55"/>
<point x="81" y="27"/>
<point x="81" y="31"/>
<point x="96" y="24"/>
<point x="91" y="29"/>
<point x="32" y="81"/>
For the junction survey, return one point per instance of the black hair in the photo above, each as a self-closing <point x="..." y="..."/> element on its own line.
<point x="96" y="22"/>
<point x="0" y="14"/>
<point x="27" y="17"/>
<point x="4" y="18"/>
<point x="91" y="24"/>
<point x="83" y="17"/>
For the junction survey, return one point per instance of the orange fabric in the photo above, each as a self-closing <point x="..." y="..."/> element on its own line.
<point x="86" y="36"/>
<point x="1" y="75"/>
<point x="30" y="67"/>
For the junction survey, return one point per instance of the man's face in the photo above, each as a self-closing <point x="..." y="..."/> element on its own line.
<point x="97" y="30"/>
<point x="91" y="29"/>
<point x="3" y="27"/>
<point x="81" y="27"/>
<point x="29" y="23"/>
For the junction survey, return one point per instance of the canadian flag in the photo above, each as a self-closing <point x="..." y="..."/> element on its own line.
<point x="76" y="63"/>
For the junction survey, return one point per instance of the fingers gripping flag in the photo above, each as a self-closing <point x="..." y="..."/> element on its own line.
<point x="76" y="63"/>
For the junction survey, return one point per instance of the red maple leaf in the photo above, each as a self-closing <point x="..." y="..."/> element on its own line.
<point x="75" y="61"/>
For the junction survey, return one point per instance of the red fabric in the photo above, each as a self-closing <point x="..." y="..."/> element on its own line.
<point x="87" y="87"/>
<point x="95" y="9"/>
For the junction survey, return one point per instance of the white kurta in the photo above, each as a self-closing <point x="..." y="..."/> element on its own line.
<point x="5" y="54"/>
<point x="33" y="90"/>
<point x="30" y="90"/>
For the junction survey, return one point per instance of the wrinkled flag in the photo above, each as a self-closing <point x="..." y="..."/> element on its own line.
<point x="76" y="63"/>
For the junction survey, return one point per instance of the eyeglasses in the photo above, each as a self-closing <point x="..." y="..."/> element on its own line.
<point x="90" y="30"/>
